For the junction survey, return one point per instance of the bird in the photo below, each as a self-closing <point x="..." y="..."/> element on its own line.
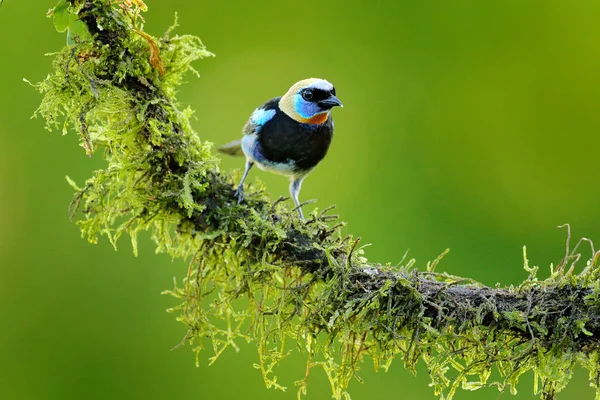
<point x="288" y="135"/>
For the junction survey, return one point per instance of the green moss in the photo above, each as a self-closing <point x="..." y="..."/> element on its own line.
<point x="256" y="272"/>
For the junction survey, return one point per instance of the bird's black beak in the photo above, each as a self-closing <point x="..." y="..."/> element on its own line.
<point x="331" y="102"/>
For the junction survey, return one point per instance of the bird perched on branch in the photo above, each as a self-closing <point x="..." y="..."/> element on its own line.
<point x="288" y="135"/>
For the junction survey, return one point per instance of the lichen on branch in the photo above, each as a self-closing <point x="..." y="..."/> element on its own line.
<point x="256" y="272"/>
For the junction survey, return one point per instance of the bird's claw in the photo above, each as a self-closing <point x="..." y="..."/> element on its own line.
<point x="239" y="194"/>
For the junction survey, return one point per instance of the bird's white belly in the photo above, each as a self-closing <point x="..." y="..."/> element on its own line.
<point x="286" y="169"/>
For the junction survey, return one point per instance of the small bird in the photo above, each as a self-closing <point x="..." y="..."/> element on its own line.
<point x="288" y="135"/>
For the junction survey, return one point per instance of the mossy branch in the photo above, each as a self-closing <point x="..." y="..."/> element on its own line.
<point x="258" y="273"/>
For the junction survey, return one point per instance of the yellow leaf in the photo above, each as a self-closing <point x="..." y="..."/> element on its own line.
<point x="155" y="59"/>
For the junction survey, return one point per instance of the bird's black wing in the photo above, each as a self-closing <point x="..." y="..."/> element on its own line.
<point x="261" y="116"/>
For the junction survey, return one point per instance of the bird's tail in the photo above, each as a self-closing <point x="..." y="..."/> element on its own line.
<point x="233" y="149"/>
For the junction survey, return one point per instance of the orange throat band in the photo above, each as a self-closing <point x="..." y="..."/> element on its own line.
<point x="317" y="119"/>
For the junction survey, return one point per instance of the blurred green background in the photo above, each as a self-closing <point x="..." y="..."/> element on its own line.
<point x="471" y="125"/>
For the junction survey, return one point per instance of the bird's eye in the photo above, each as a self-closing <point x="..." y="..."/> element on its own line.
<point x="307" y="94"/>
<point x="333" y="91"/>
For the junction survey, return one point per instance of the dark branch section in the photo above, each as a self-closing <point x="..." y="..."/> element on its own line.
<point x="301" y="278"/>
<point x="538" y="307"/>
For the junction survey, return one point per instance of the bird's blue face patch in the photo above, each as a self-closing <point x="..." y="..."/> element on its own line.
<point x="261" y="116"/>
<point x="305" y="108"/>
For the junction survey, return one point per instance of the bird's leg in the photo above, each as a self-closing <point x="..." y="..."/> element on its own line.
<point x="239" y="192"/>
<point x="295" y="186"/>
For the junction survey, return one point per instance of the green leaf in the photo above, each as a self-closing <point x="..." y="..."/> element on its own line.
<point x="67" y="21"/>
<point x="60" y="15"/>
<point x="77" y="29"/>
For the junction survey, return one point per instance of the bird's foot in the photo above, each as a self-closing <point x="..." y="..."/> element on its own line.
<point x="239" y="194"/>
